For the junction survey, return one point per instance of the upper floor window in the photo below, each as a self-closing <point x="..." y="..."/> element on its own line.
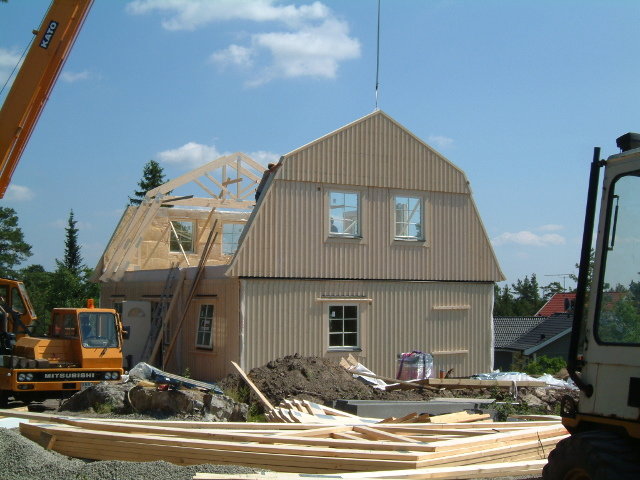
<point x="408" y="218"/>
<point x="204" y="337"/>
<point x="344" y="214"/>
<point x="230" y="236"/>
<point x="182" y="236"/>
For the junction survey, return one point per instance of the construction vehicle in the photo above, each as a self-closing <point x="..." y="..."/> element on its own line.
<point x="83" y="346"/>
<point x="604" y="354"/>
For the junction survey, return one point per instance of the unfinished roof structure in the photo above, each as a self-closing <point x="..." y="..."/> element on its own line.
<point x="365" y="241"/>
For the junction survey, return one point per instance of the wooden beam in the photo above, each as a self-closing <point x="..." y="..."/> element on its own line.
<point x="256" y="390"/>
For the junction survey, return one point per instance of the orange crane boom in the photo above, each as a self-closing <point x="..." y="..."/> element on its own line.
<point x="35" y="80"/>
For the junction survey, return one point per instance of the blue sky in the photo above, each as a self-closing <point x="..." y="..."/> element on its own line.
<point x="516" y="93"/>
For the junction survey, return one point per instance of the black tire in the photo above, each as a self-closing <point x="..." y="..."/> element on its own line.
<point x="594" y="455"/>
<point x="4" y="399"/>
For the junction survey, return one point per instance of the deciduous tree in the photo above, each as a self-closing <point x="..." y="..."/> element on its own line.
<point x="13" y="249"/>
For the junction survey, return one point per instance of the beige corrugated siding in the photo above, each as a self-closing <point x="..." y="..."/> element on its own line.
<point x="402" y="317"/>
<point x="373" y="151"/>
<point x="203" y="364"/>
<point x="287" y="236"/>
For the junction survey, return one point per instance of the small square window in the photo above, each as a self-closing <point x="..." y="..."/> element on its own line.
<point x="230" y="236"/>
<point x="408" y="218"/>
<point x="344" y="214"/>
<point x="344" y="327"/>
<point x="204" y="336"/>
<point x="181" y="236"/>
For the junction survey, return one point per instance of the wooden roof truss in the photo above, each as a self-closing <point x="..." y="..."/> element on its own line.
<point x="228" y="182"/>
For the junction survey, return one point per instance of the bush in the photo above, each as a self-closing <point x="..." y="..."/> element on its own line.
<point x="544" y="364"/>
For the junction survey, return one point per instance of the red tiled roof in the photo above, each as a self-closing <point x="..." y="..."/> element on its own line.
<point x="556" y="304"/>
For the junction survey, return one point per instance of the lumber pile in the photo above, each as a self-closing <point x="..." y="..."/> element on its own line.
<point x="301" y="411"/>
<point x="305" y="448"/>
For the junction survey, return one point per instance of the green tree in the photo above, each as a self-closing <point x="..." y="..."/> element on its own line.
<point x="38" y="282"/>
<point x="551" y="289"/>
<point x="152" y="177"/>
<point x="72" y="258"/>
<point x="69" y="284"/>
<point x="522" y="298"/>
<point x="13" y="249"/>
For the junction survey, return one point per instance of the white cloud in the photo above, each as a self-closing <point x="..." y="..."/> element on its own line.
<point x="72" y="77"/>
<point x="18" y="193"/>
<point x="192" y="14"/>
<point x="264" y="158"/>
<point x="8" y="61"/>
<point x="233" y="55"/>
<point x="312" y="41"/>
<point x="440" y="141"/>
<point x="313" y="51"/>
<point x="190" y="155"/>
<point x="528" y="238"/>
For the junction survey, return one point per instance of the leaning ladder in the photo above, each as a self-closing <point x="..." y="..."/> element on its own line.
<point x="159" y="312"/>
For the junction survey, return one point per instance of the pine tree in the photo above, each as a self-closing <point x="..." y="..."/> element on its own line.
<point x="152" y="177"/>
<point x="72" y="258"/>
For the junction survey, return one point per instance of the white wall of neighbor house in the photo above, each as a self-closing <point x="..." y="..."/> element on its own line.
<point x="450" y="320"/>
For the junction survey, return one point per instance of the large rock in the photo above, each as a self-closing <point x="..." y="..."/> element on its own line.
<point x="100" y="397"/>
<point x="186" y="402"/>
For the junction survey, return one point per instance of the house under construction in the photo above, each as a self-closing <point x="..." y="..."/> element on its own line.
<point x="364" y="241"/>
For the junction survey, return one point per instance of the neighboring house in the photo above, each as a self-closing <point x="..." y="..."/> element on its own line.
<point x="558" y="303"/>
<point x="531" y="337"/>
<point x="365" y="241"/>
<point x="507" y="330"/>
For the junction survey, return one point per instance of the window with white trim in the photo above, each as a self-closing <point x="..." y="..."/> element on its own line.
<point x="408" y="218"/>
<point x="344" y="214"/>
<point x="344" y="327"/>
<point x="181" y="235"/>
<point x="230" y="236"/>
<point x="204" y="336"/>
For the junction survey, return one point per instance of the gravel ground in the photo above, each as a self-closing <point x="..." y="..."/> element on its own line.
<point x="22" y="459"/>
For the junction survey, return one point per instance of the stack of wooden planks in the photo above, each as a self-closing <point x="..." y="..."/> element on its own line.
<point x="300" y="411"/>
<point x="306" y="448"/>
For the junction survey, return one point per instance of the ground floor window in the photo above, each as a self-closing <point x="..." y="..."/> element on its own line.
<point x="204" y="336"/>
<point x="343" y="327"/>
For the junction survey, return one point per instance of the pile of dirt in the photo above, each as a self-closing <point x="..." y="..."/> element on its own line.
<point x="324" y="381"/>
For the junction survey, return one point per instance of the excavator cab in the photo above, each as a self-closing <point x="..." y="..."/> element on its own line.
<point x="16" y="310"/>
<point x="604" y="356"/>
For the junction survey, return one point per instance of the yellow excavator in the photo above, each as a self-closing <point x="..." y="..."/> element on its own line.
<point x="604" y="354"/>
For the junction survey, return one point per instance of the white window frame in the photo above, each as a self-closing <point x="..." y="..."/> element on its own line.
<point x="201" y="327"/>
<point x="343" y="347"/>
<point x="235" y="235"/>
<point x="172" y="237"/>
<point x="358" y="220"/>
<point x="410" y="219"/>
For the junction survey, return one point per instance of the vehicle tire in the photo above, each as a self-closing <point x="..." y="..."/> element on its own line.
<point x="594" y="455"/>
<point x="4" y="399"/>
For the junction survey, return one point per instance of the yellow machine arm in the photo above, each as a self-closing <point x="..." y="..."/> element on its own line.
<point x="35" y="80"/>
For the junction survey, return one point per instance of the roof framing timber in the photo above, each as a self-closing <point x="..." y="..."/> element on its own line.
<point x="235" y="170"/>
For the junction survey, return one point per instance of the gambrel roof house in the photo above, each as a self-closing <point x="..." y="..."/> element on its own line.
<point x="364" y="241"/>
